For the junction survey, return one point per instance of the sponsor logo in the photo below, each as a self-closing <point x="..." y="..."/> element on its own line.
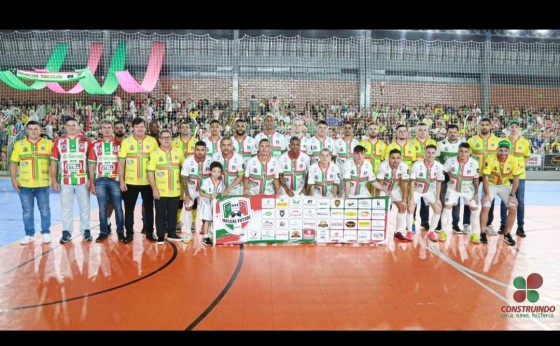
<point x="295" y="213"/>
<point x="267" y="203"/>
<point x="350" y="224"/>
<point x="323" y="213"/>
<point x="236" y="214"/>
<point x="282" y="234"/>
<point x="268" y="214"/>
<point x="309" y="234"/>
<point x="309" y="223"/>
<point x="323" y="224"/>
<point x="337" y="224"/>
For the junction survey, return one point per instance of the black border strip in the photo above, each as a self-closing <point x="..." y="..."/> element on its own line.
<point x="222" y="293"/>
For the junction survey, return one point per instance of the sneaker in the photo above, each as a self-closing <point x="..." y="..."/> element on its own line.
<point x="397" y="235"/>
<point x="509" y="240"/>
<point x="26" y="240"/>
<point x="47" y="238"/>
<point x="207" y="241"/>
<point x="87" y="235"/>
<point x="457" y="230"/>
<point x="101" y="237"/>
<point x="409" y="236"/>
<point x="502" y="230"/>
<point x="520" y="232"/>
<point x="174" y="237"/>
<point x="432" y="236"/>
<point x="490" y="230"/>
<point x="121" y="237"/>
<point x="160" y="240"/>
<point x="66" y="237"/>
<point x="187" y="238"/>
<point x="442" y="236"/>
<point x="144" y="231"/>
<point x="475" y="239"/>
<point x="425" y="226"/>
<point x="129" y="237"/>
<point x="150" y="237"/>
<point x="466" y="228"/>
<point x="483" y="238"/>
<point x="179" y="227"/>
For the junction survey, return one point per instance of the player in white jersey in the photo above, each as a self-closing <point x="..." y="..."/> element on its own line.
<point x="209" y="190"/>
<point x="195" y="168"/>
<point x="276" y="140"/>
<point x="324" y="176"/>
<point x="297" y="131"/>
<point x="295" y="166"/>
<point x="425" y="183"/>
<point x="463" y="183"/>
<point x="233" y="168"/>
<point x="358" y="173"/>
<point x="393" y="175"/>
<point x="213" y="141"/>
<point x="344" y="147"/>
<point x="319" y="142"/>
<point x="262" y="173"/>
<point x="244" y="145"/>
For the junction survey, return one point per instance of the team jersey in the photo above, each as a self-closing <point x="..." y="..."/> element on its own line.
<point x="461" y="175"/>
<point x="209" y="188"/>
<point x="261" y="175"/>
<point x="195" y="172"/>
<point x="323" y="181"/>
<point x="33" y="161"/>
<point x="233" y="167"/>
<point x="390" y="178"/>
<point x="247" y="147"/>
<point x="294" y="171"/>
<point x="277" y="143"/>
<point x="105" y="156"/>
<point x="446" y="149"/>
<point x="482" y="148"/>
<point x="358" y="176"/>
<point x="425" y="178"/>
<point x="502" y="173"/>
<point x="374" y="152"/>
<point x="520" y="149"/>
<point x="186" y="147"/>
<point x="212" y="147"/>
<point x="136" y="154"/>
<point x="344" y="150"/>
<point x="408" y="152"/>
<point x="316" y="145"/>
<point x="71" y="155"/>
<point x="166" y="166"/>
<point x="421" y="146"/>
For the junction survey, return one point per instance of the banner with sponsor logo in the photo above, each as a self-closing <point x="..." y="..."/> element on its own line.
<point x="535" y="161"/>
<point x="301" y="219"/>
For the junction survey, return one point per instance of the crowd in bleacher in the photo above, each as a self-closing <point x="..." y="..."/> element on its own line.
<point x="540" y="126"/>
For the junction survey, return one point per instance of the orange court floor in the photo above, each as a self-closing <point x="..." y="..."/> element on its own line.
<point x="420" y="285"/>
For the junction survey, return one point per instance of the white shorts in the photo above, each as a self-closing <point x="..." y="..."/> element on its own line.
<point x="205" y="210"/>
<point x="396" y="195"/>
<point x="429" y="197"/>
<point x="452" y="198"/>
<point x="500" y="190"/>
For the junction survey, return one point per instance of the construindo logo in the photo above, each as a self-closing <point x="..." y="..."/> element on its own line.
<point x="527" y="288"/>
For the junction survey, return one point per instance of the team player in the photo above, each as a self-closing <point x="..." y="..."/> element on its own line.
<point x="358" y="175"/>
<point x="344" y="147"/>
<point x="324" y="176"/>
<point x="262" y="173"/>
<point x="295" y="166"/>
<point x="233" y="168"/>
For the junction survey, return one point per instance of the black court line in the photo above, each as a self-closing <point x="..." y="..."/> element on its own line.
<point x="42" y="253"/>
<point x="222" y="293"/>
<point x="100" y="292"/>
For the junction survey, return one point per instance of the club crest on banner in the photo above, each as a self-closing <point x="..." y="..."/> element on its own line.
<point x="236" y="214"/>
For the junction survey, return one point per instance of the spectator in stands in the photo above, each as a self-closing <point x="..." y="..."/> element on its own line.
<point x="30" y="175"/>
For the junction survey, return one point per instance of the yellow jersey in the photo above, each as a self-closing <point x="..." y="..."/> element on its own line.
<point x="521" y="150"/>
<point x="408" y="152"/>
<point x="482" y="148"/>
<point x="166" y="166"/>
<point x="374" y="152"/>
<point x="502" y="173"/>
<point x="421" y="147"/>
<point x="33" y="160"/>
<point x="137" y="155"/>
<point x="187" y="147"/>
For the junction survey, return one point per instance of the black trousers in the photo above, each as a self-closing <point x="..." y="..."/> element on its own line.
<point x="129" y="197"/>
<point x="166" y="215"/>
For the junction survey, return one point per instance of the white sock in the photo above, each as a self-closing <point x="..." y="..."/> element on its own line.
<point x="434" y="221"/>
<point x="187" y="220"/>
<point x="409" y="221"/>
<point x="401" y="222"/>
<point x="446" y="220"/>
<point x="475" y="222"/>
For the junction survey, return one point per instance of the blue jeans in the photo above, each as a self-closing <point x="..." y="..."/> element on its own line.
<point x="27" y="196"/>
<point x="109" y="190"/>
<point x="520" y="195"/>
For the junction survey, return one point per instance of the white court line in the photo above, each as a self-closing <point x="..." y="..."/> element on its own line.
<point x="461" y="269"/>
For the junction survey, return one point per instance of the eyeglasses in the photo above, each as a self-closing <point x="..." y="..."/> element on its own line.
<point x="165" y="137"/>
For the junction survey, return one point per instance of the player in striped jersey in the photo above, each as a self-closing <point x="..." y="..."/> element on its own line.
<point x="262" y="173"/>
<point x="358" y="174"/>
<point x="344" y="147"/>
<point x="276" y="140"/>
<point x="244" y="145"/>
<point x="297" y="131"/>
<point x="295" y="165"/>
<point x="319" y="142"/>
<point x="324" y="176"/>
<point x="233" y="168"/>
<point x="69" y="175"/>
<point x="213" y="141"/>
<point x="375" y="149"/>
<point x="103" y="168"/>
<point x="195" y="168"/>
